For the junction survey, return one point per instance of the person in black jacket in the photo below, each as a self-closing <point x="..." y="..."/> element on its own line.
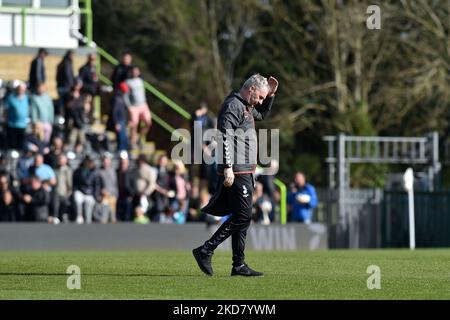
<point x="126" y="180"/>
<point x="9" y="198"/>
<point x="122" y="71"/>
<point x="76" y="117"/>
<point x="65" y="78"/>
<point x="236" y="168"/>
<point x="87" y="188"/>
<point x="118" y="117"/>
<point x="37" y="200"/>
<point x="88" y="74"/>
<point x="91" y="86"/>
<point x="37" y="70"/>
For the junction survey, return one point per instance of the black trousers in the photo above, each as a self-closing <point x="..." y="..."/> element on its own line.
<point x="16" y="138"/>
<point x="238" y="199"/>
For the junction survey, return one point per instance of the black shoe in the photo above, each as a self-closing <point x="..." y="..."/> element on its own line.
<point x="246" y="271"/>
<point x="203" y="260"/>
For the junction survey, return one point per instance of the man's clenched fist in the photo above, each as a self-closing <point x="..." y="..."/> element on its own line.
<point x="229" y="177"/>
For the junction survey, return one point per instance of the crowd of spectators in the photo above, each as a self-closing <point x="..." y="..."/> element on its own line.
<point x="54" y="169"/>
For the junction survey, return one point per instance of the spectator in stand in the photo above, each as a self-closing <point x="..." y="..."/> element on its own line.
<point x="267" y="181"/>
<point x="89" y="77"/>
<point x="63" y="189"/>
<point x="145" y="183"/>
<point x="56" y="150"/>
<point x="4" y="167"/>
<point x="42" y="111"/>
<point x="43" y="171"/>
<point x="138" y="108"/>
<point x="88" y="74"/>
<point x="140" y="217"/>
<point x="65" y="78"/>
<point x="35" y="139"/>
<point x="118" y="117"/>
<point x="9" y="198"/>
<point x="201" y="122"/>
<point x="198" y="200"/>
<point x="86" y="187"/>
<point x="122" y="71"/>
<point x="36" y="200"/>
<point x="108" y="180"/>
<point x="76" y="118"/>
<point x="182" y="187"/>
<point x="262" y="205"/>
<point x="24" y="164"/>
<point x="302" y="199"/>
<point x="17" y="114"/>
<point x="126" y="181"/>
<point x="37" y="70"/>
<point x="164" y="190"/>
<point x="46" y="175"/>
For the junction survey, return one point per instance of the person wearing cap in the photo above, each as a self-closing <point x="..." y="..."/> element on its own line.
<point x="37" y="70"/>
<point x="118" y="118"/>
<point x="17" y="115"/>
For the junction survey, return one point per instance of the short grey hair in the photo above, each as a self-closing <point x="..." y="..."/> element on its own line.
<point x="256" y="80"/>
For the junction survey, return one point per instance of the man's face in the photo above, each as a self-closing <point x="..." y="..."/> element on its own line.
<point x="163" y="161"/>
<point x="58" y="143"/>
<point x="36" y="184"/>
<point x="106" y="162"/>
<point x="21" y="89"/>
<point x="41" y="88"/>
<point x="136" y="72"/>
<point x="124" y="164"/>
<point x="92" y="58"/>
<point x="3" y="183"/>
<point x="300" y="179"/>
<point x="126" y="59"/>
<point x="257" y="95"/>
<point x="39" y="160"/>
<point x="62" y="160"/>
<point x="89" y="164"/>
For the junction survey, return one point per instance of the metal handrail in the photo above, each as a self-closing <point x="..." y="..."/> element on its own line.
<point x="148" y="86"/>
<point x="283" y="200"/>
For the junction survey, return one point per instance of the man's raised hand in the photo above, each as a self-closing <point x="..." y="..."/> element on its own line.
<point x="273" y="85"/>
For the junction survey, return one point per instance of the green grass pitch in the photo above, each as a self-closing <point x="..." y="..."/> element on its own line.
<point x="422" y="274"/>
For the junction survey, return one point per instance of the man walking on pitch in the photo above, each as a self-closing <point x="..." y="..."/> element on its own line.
<point x="236" y="167"/>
